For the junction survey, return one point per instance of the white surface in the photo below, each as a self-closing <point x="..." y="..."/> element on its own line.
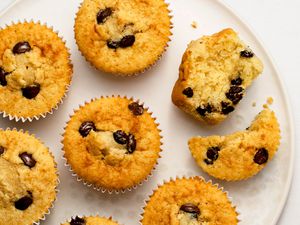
<point x="254" y="198"/>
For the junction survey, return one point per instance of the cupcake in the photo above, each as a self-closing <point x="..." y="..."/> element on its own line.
<point x="90" y="220"/>
<point x="112" y="143"/>
<point x="214" y="75"/>
<point x="122" y="37"/>
<point x="28" y="178"/>
<point x="189" y="201"/>
<point x="35" y="70"/>
<point x="242" y="154"/>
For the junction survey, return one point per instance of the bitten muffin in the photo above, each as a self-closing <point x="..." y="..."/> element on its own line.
<point x="112" y="143"/>
<point x="35" y="70"/>
<point x="189" y="201"/>
<point x="239" y="155"/>
<point x="90" y="220"/>
<point x="122" y="37"/>
<point x="28" y="178"/>
<point x="213" y="76"/>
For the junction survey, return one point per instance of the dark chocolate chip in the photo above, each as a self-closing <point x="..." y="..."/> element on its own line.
<point x="103" y="14"/>
<point x="120" y="137"/>
<point x="31" y="92"/>
<point x="190" y="208"/>
<point x="247" y="54"/>
<point x="77" y="221"/>
<point x="188" y="92"/>
<point x="136" y="108"/>
<point x="1" y="150"/>
<point x="235" y="94"/>
<point x="21" y="47"/>
<point x="113" y="44"/>
<point x="3" y="75"/>
<point x="86" y="127"/>
<point x="27" y="159"/>
<point x="237" y="81"/>
<point x="226" y="108"/>
<point x="208" y="161"/>
<point x="131" y="144"/>
<point x="203" y="110"/>
<point x="261" y="156"/>
<point x="24" y="202"/>
<point x="127" y="41"/>
<point x="212" y="153"/>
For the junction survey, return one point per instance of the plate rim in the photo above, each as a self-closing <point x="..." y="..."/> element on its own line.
<point x="286" y="98"/>
<point x="5" y="10"/>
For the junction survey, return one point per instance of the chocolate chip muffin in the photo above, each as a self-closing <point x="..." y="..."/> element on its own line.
<point x="189" y="201"/>
<point x="90" y="220"/>
<point x="239" y="155"/>
<point x="213" y="76"/>
<point x="35" y="70"/>
<point x="28" y="178"/>
<point x="122" y="37"/>
<point x="112" y="143"/>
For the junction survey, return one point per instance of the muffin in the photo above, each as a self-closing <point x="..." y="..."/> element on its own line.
<point x="112" y="143"/>
<point x="242" y="154"/>
<point x="90" y="220"/>
<point x="35" y="70"/>
<point x="122" y="37"/>
<point x="28" y="178"/>
<point x="189" y="201"/>
<point x="213" y="76"/>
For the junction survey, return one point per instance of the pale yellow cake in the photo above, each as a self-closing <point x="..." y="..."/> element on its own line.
<point x="90" y="220"/>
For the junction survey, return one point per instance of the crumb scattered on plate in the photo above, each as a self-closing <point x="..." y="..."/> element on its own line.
<point x="194" y="24"/>
<point x="270" y="101"/>
<point x="253" y="104"/>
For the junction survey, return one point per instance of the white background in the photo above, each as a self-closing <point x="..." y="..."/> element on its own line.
<point x="277" y="24"/>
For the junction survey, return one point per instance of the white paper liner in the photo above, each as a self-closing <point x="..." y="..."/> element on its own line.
<point x="43" y="217"/>
<point x="41" y="115"/>
<point x="138" y="72"/>
<point x="187" y="178"/>
<point x="102" y="189"/>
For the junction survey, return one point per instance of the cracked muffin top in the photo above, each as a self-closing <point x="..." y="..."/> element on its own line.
<point x="213" y="76"/>
<point x="122" y="37"/>
<point x="112" y="143"/>
<point x="35" y="70"/>
<point x="90" y="220"/>
<point x="28" y="178"/>
<point x="189" y="201"/>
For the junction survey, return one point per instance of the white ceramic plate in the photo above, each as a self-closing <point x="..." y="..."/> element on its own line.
<point x="260" y="199"/>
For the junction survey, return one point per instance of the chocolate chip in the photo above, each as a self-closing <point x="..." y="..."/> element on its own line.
<point x="21" y="47"/>
<point x="131" y="144"/>
<point x="31" y="92"/>
<point x="3" y="75"/>
<point x="235" y="94"/>
<point x="113" y="44"/>
<point x="237" y="81"/>
<point x="203" y="110"/>
<point x="24" y="202"/>
<point x="247" y="54"/>
<point x="188" y="92"/>
<point x="190" y="208"/>
<point x="212" y="153"/>
<point x="103" y="14"/>
<point x="120" y="137"/>
<point x="208" y="161"/>
<point x="86" y="127"/>
<point x="136" y="108"/>
<point x="27" y="159"/>
<point x="226" y="108"/>
<point x="77" y="221"/>
<point x="1" y="150"/>
<point x="127" y="41"/>
<point x="261" y="156"/>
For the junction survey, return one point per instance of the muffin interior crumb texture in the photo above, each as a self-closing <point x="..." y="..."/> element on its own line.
<point x="34" y="69"/>
<point x="242" y="154"/>
<point x="214" y="74"/>
<point x="189" y="202"/>
<point x="90" y="220"/>
<point x="27" y="180"/>
<point x="123" y="37"/>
